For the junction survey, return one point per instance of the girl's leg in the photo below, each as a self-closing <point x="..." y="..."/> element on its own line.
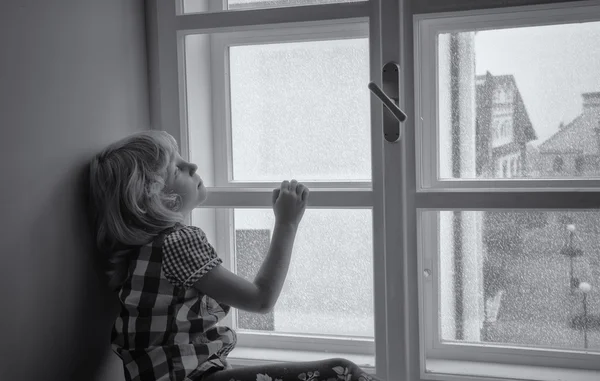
<point x="335" y="369"/>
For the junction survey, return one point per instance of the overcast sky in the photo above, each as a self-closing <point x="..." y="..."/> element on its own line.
<point x="552" y="65"/>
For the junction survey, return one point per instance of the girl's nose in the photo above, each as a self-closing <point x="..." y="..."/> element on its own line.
<point x="193" y="168"/>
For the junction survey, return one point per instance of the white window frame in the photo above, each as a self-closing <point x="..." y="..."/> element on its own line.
<point x="169" y="110"/>
<point x="398" y="281"/>
<point x="343" y="194"/>
<point x="488" y="362"/>
<point x="426" y="27"/>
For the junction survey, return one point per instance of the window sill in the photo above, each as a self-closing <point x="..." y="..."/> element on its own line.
<point x="442" y="369"/>
<point x="247" y="356"/>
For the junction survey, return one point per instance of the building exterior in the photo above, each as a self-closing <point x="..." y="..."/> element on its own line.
<point x="503" y="128"/>
<point x="574" y="151"/>
<point x="503" y="131"/>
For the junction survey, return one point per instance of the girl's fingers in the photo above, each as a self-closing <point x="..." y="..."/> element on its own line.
<point x="305" y="193"/>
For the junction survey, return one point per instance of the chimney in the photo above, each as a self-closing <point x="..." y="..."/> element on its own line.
<point x="591" y="101"/>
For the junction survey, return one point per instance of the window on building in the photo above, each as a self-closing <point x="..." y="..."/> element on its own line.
<point x="558" y="164"/>
<point x="579" y="162"/>
<point x="499" y="96"/>
<point x="513" y="167"/>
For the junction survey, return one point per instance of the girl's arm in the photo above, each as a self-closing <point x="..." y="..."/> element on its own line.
<point x="261" y="295"/>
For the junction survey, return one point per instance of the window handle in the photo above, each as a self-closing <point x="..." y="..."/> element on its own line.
<point x="390" y="81"/>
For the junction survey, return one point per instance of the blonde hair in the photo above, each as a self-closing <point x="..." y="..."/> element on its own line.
<point x="127" y="196"/>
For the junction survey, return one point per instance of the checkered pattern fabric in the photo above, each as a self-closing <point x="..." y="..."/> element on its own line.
<point x="185" y="270"/>
<point x="166" y="329"/>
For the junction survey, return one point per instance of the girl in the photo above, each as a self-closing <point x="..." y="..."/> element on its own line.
<point x="172" y="287"/>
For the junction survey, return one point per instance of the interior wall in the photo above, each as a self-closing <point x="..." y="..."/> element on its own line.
<point x="73" y="78"/>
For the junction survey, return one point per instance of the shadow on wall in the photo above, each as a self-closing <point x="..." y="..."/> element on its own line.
<point x="107" y="307"/>
<point x="81" y="309"/>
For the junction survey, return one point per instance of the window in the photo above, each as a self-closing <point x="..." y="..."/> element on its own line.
<point x="513" y="169"/>
<point x="505" y="285"/>
<point x="579" y="164"/>
<point x="202" y="6"/>
<point x="253" y="102"/>
<point x="558" y="164"/>
<point x="450" y="269"/>
<point x="334" y="254"/>
<point x="278" y="111"/>
<point x="498" y="96"/>
<point x="495" y="130"/>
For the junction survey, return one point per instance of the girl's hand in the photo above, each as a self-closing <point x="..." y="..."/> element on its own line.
<point x="289" y="202"/>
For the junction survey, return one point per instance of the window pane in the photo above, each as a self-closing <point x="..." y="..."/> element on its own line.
<point x="198" y="6"/>
<point x="522" y="277"/>
<point x="301" y="110"/>
<point x="520" y="93"/>
<point x="329" y="286"/>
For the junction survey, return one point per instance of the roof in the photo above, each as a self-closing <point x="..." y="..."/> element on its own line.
<point x="579" y="137"/>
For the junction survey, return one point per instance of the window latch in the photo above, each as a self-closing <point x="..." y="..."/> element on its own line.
<point x="390" y="80"/>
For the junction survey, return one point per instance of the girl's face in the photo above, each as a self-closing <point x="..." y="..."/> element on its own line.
<point x="183" y="180"/>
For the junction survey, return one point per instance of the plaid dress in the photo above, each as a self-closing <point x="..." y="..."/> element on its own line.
<point x="166" y="329"/>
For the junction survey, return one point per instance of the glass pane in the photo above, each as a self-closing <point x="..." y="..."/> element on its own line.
<point x="199" y="6"/>
<point x="329" y="286"/>
<point x="520" y="103"/>
<point x="526" y="278"/>
<point x="301" y="110"/>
